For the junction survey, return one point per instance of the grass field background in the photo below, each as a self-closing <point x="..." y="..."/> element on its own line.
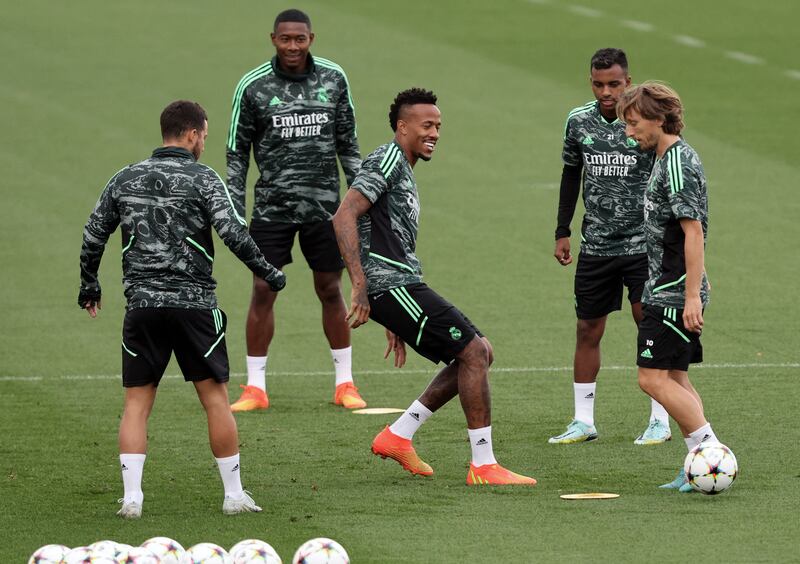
<point x="83" y="86"/>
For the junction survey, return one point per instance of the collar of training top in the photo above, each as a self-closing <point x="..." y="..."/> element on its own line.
<point x="164" y="152"/>
<point x="310" y="67"/>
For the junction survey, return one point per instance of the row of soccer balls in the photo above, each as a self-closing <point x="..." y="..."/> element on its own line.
<point x="163" y="550"/>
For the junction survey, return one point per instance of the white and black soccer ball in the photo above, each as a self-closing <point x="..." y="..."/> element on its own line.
<point x="254" y="551"/>
<point x="169" y="551"/>
<point x="85" y="555"/>
<point x="49" y="554"/>
<point x="140" y="555"/>
<point x="711" y="468"/>
<point x="321" y="551"/>
<point x="205" y="553"/>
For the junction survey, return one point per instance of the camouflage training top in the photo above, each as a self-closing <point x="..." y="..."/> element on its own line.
<point x="388" y="232"/>
<point x="615" y="173"/>
<point x="296" y="125"/>
<point x="165" y="207"/>
<point x="677" y="189"/>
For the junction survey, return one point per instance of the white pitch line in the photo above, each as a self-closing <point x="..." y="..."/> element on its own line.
<point x="689" y="41"/>
<point x="638" y="26"/>
<point x="744" y="58"/>
<point x="795" y="74"/>
<point x="507" y="370"/>
<point x="585" y="11"/>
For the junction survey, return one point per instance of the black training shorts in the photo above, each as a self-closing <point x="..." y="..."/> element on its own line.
<point x="317" y="242"/>
<point x="599" y="281"/>
<point x="428" y="323"/>
<point x="151" y="334"/>
<point x="664" y="343"/>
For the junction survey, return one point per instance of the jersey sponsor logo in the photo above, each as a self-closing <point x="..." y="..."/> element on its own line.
<point x="322" y="95"/>
<point x="588" y="140"/>
<point x="609" y="164"/>
<point x="275" y="101"/>
<point x="413" y="207"/>
<point x="455" y="333"/>
<point x="300" y="125"/>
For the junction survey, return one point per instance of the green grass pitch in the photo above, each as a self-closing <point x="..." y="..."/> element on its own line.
<point x="83" y="84"/>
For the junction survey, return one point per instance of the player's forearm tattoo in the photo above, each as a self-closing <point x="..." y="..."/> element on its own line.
<point x="346" y="228"/>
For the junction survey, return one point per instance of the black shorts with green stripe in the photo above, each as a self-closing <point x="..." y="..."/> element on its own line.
<point x="664" y="343"/>
<point x="428" y="323"/>
<point x="151" y="334"/>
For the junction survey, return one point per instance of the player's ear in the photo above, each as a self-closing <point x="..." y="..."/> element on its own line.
<point x="310" y="38"/>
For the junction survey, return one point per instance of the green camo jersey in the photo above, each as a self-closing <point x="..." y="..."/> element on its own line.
<point x="165" y="207"/>
<point x="388" y="232"/>
<point x="615" y="173"/>
<point x="677" y="189"/>
<point x="296" y="126"/>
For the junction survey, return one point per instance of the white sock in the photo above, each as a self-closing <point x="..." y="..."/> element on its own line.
<point x="481" y="442"/>
<point x="231" y="479"/>
<point x="257" y="372"/>
<point x="701" y="435"/>
<point x="132" y="466"/>
<point x="657" y="411"/>
<point x="584" y="402"/>
<point x="411" y="420"/>
<point x="342" y="363"/>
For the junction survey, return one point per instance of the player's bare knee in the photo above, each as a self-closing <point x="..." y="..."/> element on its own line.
<point x="329" y="292"/>
<point x="475" y="355"/>
<point x="489" y="351"/>
<point x="590" y="331"/>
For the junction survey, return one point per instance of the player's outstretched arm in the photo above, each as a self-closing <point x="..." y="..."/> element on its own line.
<point x="694" y="252"/>
<point x="103" y="221"/>
<point x="232" y="229"/>
<point x="345" y="224"/>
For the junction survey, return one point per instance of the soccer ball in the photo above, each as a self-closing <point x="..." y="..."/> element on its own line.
<point x="205" y="553"/>
<point x="710" y="468"/>
<point x="104" y="548"/>
<point x="49" y="554"/>
<point x="321" y="551"/>
<point x="85" y="555"/>
<point x="254" y="551"/>
<point x="140" y="555"/>
<point x="168" y="550"/>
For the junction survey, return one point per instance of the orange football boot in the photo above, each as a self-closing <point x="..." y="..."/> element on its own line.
<point x="347" y="396"/>
<point x="387" y="444"/>
<point x="496" y="475"/>
<point x="252" y="398"/>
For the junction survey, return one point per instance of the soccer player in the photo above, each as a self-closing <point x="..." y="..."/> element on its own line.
<point x="614" y="170"/>
<point x="296" y="113"/>
<point x="165" y="206"/>
<point x="677" y="291"/>
<point x="376" y="227"/>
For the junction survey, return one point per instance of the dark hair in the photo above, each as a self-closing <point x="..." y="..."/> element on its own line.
<point x="607" y="58"/>
<point x="292" y="16"/>
<point x="182" y="116"/>
<point x="409" y="98"/>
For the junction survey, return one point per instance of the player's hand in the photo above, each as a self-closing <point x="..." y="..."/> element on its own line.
<point x="693" y="314"/>
<point x="396" y="344"/>
<point x="562" y="253"/>
<point x="91" y="307"/>
<point x="277" y="282"/>
<point x="358" y="314"/>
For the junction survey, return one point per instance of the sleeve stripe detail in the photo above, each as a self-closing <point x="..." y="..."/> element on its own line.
<point x="390" y="160"/>
<point x="675" y="170"/>
<point x="588" y="107"/>
<point x="239" y="218"/>
<point x="328" y="64"/>
<point x="246" y="81"/>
